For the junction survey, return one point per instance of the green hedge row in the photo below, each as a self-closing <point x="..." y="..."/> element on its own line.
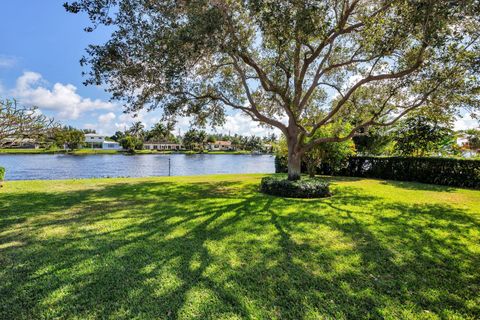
<point x="442" y="171"/>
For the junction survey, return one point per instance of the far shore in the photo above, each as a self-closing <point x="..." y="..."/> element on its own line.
<point x="117" y="152"/>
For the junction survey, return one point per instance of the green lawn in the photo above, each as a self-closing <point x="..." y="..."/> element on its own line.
<point x="30" y="151"/>
<point x="87" y="151"/>
<point x="93" y="151"/>
<point x="212" y="247"/>
<point x="48" y="151"/>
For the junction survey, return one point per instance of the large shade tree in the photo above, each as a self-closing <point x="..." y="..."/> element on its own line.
<point x="297" y="65"/>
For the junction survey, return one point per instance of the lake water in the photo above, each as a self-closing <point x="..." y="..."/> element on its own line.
<point x="47" y="166"/>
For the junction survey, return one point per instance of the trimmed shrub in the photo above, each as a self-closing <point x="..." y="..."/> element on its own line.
<point x="304" y="188"/>
<point x="443" y="171"/>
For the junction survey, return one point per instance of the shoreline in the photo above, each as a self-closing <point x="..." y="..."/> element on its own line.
<point x="213" y="176"/>
<point x="81" y="152"/>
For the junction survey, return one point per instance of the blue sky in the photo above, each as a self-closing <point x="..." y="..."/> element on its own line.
<point x="41" y="46"/>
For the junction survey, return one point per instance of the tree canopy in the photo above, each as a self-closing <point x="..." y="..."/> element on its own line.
<point x="473" y="137"/>
<point x="18" y="122"/>
<point x="421" y="136"/>
<point x="68" y="137"/>
<point x="161" y="132"/>
<point x="297" y="65"/>
<point x="195" y="139"/>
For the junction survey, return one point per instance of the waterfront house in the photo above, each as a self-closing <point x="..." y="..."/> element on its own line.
<point x="162" y="146"/>
<point x="462" y="141"/>
<point x="99" y="141"/>
<point x="220" y="146"/>
<point x="468" y="151"/>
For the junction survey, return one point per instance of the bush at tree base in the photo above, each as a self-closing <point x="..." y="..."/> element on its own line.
<point x="453" y="172"/>
<point x="304" y="188"/>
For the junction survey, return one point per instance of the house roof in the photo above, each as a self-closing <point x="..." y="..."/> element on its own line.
<point x="94" y="135"/>
<point x="223" y="143"/>
<point x="162" y="142"/>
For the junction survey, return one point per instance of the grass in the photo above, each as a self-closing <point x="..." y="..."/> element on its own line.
<point x="212" y="247"/>
<point x="29" y="151"/>
<point x="87" y="151"/>
<point x="185" y="152"/>
<point x="230" y="152"/>
<point x="93" y="151"/>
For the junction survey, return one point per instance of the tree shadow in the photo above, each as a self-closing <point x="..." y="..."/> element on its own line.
<point x="220" y="249"/>
<point x="419" y="186"/>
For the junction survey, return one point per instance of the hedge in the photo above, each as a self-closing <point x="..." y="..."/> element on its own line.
<point x="443" y="171"/>
<point x="304" y="188"/>
<point x="2" y="175"/>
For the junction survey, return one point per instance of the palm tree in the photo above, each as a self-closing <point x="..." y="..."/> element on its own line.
<point x="136" y="130"/>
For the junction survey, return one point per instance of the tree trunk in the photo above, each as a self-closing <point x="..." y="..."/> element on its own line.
<point x="294" y="161"/>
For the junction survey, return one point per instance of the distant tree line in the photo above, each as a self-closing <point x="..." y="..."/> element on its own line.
<point x="419" y="135"/>
<point x="194" y="139"/>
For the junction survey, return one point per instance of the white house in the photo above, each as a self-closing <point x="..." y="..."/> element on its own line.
<point x="162" y="146"/>
<point x="462" y="141"/>
<point x="220" y="146"/>
<point x="98" y="141"/>
<point x="111" y="145"/>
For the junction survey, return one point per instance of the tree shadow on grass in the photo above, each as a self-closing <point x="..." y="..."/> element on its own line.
<point x="419" y="186"/>
<point x="212" y="250"/>
<point x="410" y="255"/>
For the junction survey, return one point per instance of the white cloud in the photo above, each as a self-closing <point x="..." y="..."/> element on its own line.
<point x="7" y="61"/>
<point x="109" y="123"/>
<point x="242" y="124"/>
<point x="106" y="118"/>
<point x="238" y="123"/>
<point x="91" y="126"/>
<point x="466" y="122"/>
<point x="31" y="89"/>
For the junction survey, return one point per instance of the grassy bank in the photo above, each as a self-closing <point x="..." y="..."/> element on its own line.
<point x="29" y="151"/>
<point x="101" y="151"/>
<point x="93" y="151"/>
<point x="212" y="247"/>
<point x="56" y="151"/>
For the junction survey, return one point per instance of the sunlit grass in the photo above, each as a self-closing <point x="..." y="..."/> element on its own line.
<point x="29" y="151"/>
<point x="212" y="247"/>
